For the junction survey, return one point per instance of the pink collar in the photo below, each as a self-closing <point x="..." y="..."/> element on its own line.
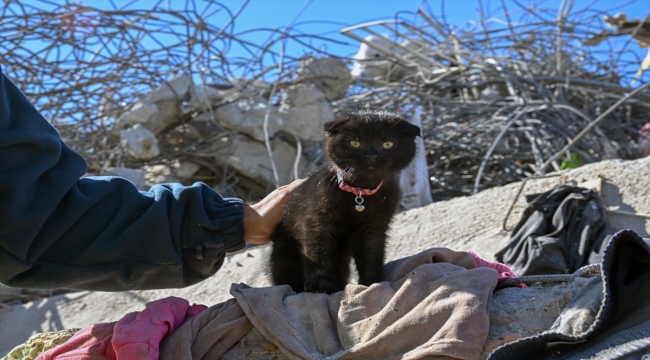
<point x="355" y="190"/>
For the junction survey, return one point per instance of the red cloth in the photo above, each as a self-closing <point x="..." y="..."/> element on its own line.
<point x="136" y="336"/>
<point x="504" y="271"/>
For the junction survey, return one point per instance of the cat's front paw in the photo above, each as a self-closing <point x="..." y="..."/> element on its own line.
<point x="322" y="284"/>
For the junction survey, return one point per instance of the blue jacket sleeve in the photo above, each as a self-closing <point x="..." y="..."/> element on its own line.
<point x="101" y="233"/>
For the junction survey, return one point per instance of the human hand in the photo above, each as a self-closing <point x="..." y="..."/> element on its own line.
<point x="261" y="218"/>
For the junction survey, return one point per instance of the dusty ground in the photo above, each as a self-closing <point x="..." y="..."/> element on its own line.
<point x="468" y="223"/>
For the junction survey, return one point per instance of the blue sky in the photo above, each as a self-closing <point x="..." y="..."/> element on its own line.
<point x="279" y="13"/>
<point x="327" y="17"/>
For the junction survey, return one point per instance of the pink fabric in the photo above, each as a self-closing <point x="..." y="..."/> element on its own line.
<point x="504" y="271"/>
<point x="136" y="336"/>
<point x="644" y="140"/>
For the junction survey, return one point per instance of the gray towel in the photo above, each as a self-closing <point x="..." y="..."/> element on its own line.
<point x="433" y="304"/>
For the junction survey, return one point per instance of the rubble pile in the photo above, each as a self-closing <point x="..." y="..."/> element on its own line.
<point x="499" y="100"/>
<point x="214" y="130"/>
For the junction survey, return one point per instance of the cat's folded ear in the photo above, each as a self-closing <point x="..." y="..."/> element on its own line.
<point x="331" y="126"/>
<point x="410" y="128"/>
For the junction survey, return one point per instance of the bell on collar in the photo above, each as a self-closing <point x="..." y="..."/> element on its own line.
<point x="359" y="200"/>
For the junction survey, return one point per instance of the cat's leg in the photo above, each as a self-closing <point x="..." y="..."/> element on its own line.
<point x="368" y="252"/>
<point x="343" y="265"/>
<point x="320" y="263"/>
<point x="285" y="262"/>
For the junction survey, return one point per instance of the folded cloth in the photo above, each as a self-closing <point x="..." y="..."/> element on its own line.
<point x="433" y="304"/>
<point x="136" y="336"/>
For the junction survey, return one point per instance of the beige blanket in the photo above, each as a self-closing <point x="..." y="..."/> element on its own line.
<point x="431" y="305"/>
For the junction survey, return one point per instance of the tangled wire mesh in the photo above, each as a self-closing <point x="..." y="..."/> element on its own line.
<point x="500" y="99"/>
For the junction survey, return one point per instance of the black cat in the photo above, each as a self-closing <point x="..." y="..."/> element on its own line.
<point x="344" y="208"/>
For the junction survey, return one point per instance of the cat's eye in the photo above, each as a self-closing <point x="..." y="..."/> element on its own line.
<point x="387" y="144"/>
<point x="355" y="144"/>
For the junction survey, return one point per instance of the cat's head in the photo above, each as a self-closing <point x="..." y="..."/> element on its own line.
<point x="375" y="143"/>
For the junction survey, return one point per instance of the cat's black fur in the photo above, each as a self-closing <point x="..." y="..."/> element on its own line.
<point x="321" y="231"/>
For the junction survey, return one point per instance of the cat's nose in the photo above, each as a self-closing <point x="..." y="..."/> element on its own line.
<point x="371" y="154"/>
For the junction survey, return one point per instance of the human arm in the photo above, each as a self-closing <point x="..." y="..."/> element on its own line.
<point x="60" y="231"/>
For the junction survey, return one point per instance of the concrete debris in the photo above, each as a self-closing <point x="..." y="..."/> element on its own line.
<point x="248" y="87"/>
<point x="140" y="113"/>
<point x="184" y="135"/>
<point x="136" y="176"/>
<point x="202" y="95"/>
<point x="414" y="180"/>
<point x="154" y="116"/>
<point x="158" y="109"/>
<point x="140" y="142"/>
<point x="175" y="90"/>
<point x="159" y="174"/>
<point x="246" y="116"/>
<point x="305" y="110"/>
<point x="184" y="169"/>
<point x="371" y="63"/>
<point x="207" y="116"/>
<point x="329" y="74"/>
<point x="251" y="159"/>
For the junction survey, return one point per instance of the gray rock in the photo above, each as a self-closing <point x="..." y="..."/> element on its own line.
<point x="175" y="90"/>
<point x="202" y="95"/>
<point x="159" y="109"/>
<point x="158" y="174"/>
<point x="136" y="176"/>
<point x="246" y="116"/>
<point x="251" y="159"/>
<point x="154" y="116"/>
<point x="185" y="168"/>
<point x="140" y="142"/>
<point x="329" y="74"/>
<point x="208" y="116"/>
<point x="305" y="110"/>
<point x="248" y="88"/>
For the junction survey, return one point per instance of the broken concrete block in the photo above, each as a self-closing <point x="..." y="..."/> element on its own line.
<point x="330" y="75"/>
<point x="158" y="174"/>
<point x="185" y="168"/>
<point x="371" y="63"/>
<point x="246" y="116"/>
<point x="136" y="176"/>
<point x="251" y="159"/>
<point x="249" y="87"/>
<point x="202" y="95"/>
<point x="140" y="112"/>
<point x="140" y="142"/>
<point x="154" y="116"/>
<point x="305" y="110"/>
<point x="207" y="116"/>
<point x="184" y="135"/>
<point x="176" y="90"/>
<point x="158" y="109"/>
